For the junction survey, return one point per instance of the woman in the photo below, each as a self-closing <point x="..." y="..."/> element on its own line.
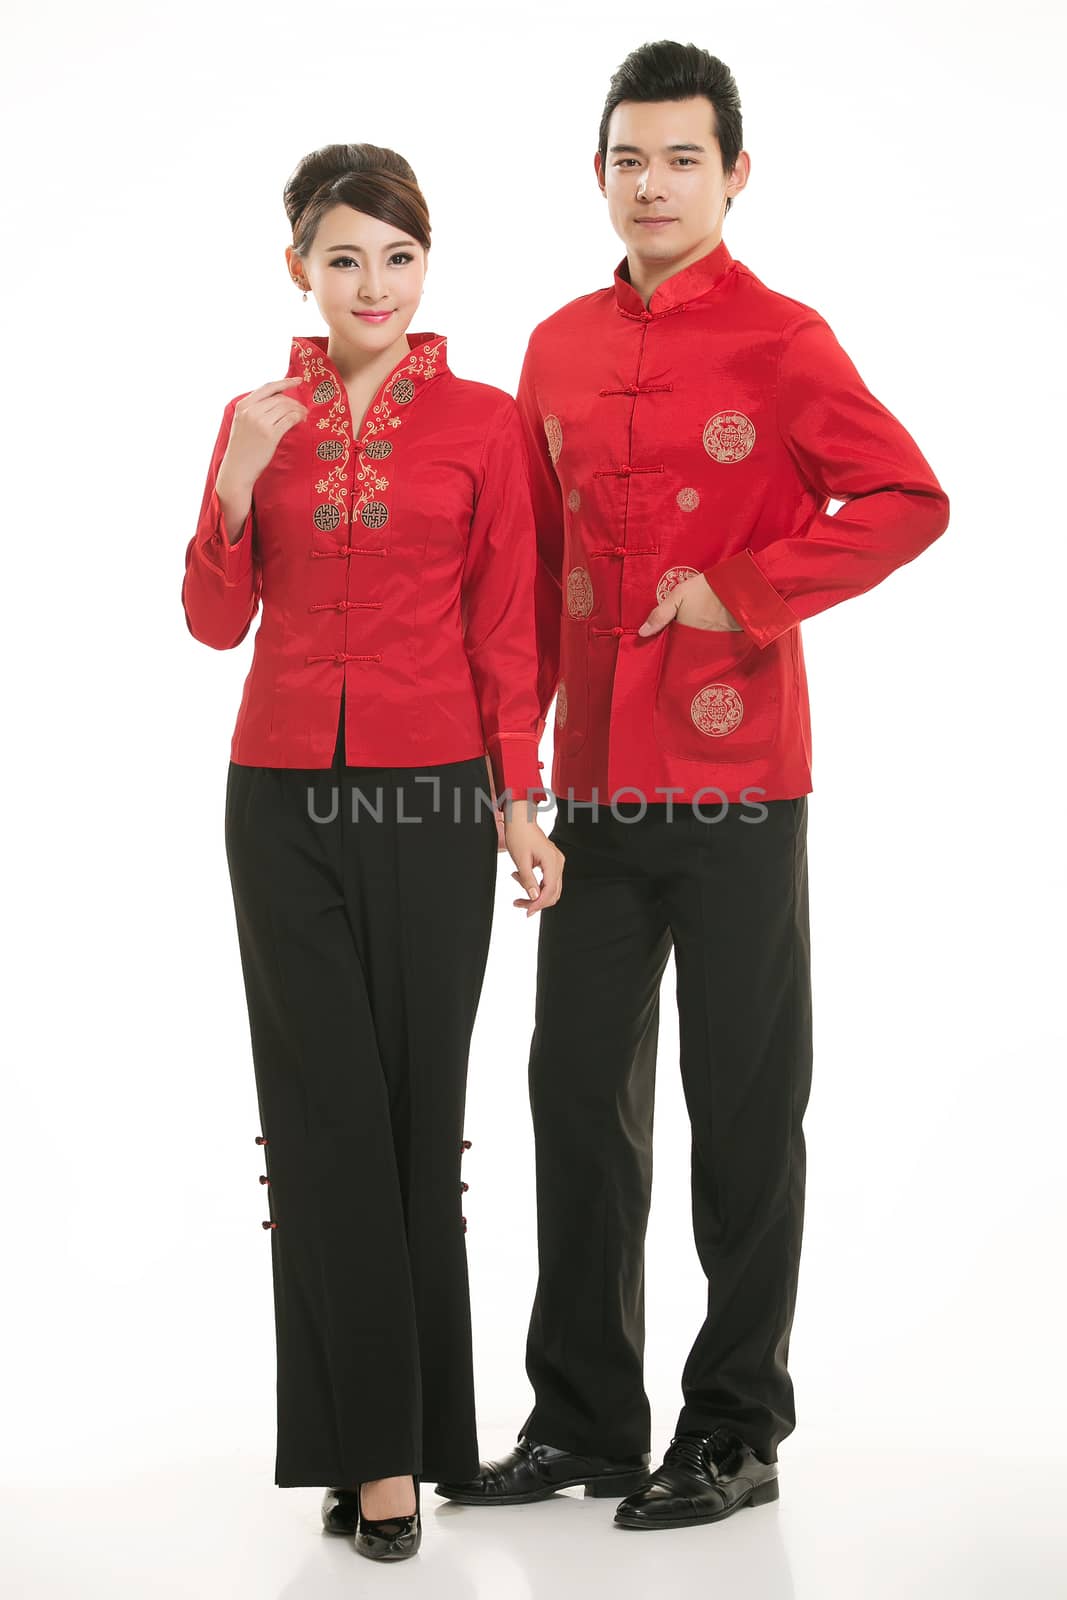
<point x="379" y="507"/>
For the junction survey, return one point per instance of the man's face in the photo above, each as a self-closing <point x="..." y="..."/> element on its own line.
<point x="663" y="162"/>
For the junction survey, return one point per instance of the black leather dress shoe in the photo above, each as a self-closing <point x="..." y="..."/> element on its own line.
<point x="532" y="1471"/>
<point x="391" y="1538"/>
<point x="704" y="1477"/>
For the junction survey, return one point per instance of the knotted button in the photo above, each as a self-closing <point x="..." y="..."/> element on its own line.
<point x="260" y="1139"/>
<point x="263" y="1178"/>
<point x="270" y="1224"/>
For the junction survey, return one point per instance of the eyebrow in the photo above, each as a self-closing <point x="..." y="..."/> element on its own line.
<point x="635" y="149"/>
<point x="357" y="249"/>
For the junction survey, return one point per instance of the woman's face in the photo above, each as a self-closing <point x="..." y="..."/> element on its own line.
<point x="358" y="265"/>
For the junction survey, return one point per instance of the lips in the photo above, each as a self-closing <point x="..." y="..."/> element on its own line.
<point x="372" y="316"/>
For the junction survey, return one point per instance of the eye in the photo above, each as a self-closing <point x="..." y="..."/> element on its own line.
<point x="399" y="255"/>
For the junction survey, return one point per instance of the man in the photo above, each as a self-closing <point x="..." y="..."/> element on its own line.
<point x="686" y="429"/>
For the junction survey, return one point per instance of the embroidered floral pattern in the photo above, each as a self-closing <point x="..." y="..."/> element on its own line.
<point x="687" y="499"/>
<point x="561" y="705"/>
<point x="574" y="499"/>
<point x="332" y="489"/>
<point x="370" y="485"/>
<point x="671" y="579"/>
<point x="554" y="435"/>
<point x="729" y="436"/>
<point x="579" y="592"/>
<point x="717" y="709"/>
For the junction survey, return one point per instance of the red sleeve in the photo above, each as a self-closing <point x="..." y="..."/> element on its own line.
<point x="221" y="588"/>
<point x="548" y="519"/>
<point x="498" y="607"/>
<point x="846" y="446"/>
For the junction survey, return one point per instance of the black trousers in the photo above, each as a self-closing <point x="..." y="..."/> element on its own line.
<point x="363" y="944"/>
<point x="731" y="897"/>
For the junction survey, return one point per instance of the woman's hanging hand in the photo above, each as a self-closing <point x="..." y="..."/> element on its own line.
<point x="528" y="847"/>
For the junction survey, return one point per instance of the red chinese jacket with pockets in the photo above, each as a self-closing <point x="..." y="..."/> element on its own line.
<point x="704" y="433"/>
<point x="400" y="564"/>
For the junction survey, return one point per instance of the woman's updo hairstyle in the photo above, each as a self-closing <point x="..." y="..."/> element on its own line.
<point x="366" y="177"/>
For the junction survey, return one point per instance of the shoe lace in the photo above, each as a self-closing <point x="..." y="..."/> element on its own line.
<point x="686" y="1450"/>
<point x="706" y="1453"/>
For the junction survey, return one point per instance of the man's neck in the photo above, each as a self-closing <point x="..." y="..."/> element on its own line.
<point x="646" y="279"/>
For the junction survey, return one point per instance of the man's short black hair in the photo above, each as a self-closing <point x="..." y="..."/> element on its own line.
<point x="667" y="70"/>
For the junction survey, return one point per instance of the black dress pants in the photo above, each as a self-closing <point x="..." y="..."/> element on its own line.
<point x="731" y="897"/>
<point x="363" y="944"/>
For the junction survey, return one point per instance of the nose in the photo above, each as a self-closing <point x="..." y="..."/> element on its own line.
<point x="650" y="185"/>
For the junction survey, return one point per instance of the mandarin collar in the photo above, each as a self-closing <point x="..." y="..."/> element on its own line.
<point x="427" y="359"/>
<point x="698" y="279"/>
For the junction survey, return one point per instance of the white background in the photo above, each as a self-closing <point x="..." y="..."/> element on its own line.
<point x="906" y="182"/>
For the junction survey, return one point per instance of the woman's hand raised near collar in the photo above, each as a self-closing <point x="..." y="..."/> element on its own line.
<point x="259" y="421"/>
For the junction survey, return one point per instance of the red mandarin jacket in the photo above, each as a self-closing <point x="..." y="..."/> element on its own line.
<point x="399" y="564"/>
<point x="706" y="433"/>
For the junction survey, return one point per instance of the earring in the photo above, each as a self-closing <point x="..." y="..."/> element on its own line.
<point x="305" y="294"/>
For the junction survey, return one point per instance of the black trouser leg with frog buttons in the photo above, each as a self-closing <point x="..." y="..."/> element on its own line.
<point x="730" y="897"/>
<point x="363" y="945"/>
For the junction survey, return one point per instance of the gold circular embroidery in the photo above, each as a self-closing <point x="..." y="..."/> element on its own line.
<point x="402" y="391"/>
<point x="687" y="499"/>
<point x="561" y="704"/>
<point x="574" y="499"/>
<point x="717" y="709"/>
<point x="729" y="436"/>
<point x="554" y="435"/>
<point x="579" y="592"/>
<point x="323" y="391"/>
<point x="377" y="449"/>
<point x="326" y="517"/>
<point x="330" y="449"/>
<point x="670" y="580"/>
<point x="375" y="514"/>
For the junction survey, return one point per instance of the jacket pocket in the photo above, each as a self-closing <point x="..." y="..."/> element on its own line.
<point x="718" y="695"/>
<point x="572" y="695"/>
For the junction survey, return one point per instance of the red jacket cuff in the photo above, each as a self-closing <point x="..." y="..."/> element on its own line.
<point x="232" y="561"/>
<point x="516" y="767"/>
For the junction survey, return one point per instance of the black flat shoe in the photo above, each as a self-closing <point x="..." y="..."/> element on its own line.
<point x="704" y="1477"/>
<point x="532" y="1471"/>
<point x="391" y="1538"/>
<point x="340" y="1511"/>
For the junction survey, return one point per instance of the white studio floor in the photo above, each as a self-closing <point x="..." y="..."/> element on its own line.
<point x="851" y="1524"/>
